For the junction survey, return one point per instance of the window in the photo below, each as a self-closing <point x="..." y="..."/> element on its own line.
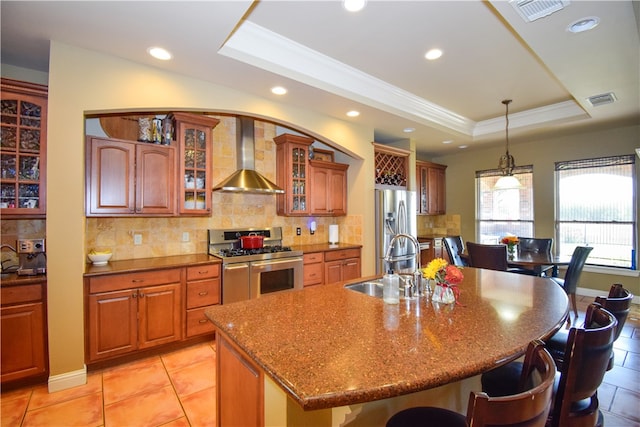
<point x="595" y="207"/>
<point x="502" y="212"/>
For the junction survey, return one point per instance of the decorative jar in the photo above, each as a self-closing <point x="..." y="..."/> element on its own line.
<point x="443" y="294"/>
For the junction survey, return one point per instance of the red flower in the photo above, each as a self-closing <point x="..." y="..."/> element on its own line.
<point x="453" y="275"/>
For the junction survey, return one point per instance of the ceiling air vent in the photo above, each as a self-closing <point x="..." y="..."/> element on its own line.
<point x="602" y="99"/>
<point x="530" y="10"/>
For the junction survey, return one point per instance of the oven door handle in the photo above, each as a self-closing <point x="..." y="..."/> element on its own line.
<point x="262" y="265"/>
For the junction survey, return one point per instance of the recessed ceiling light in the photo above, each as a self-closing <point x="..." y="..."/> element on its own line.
<point x="584" y="24"/>
<point x="353" y="113"/>
<point x="354" y="5"/>
<point x="433" y="54"/>
<point x="408" y="130"/>
<point x="278" y="90"/>
<point x="448" y="141"/>
<point x="159" y="53"/>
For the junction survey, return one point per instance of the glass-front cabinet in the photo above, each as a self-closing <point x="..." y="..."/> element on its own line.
<point x="193" y="136"/>
<point x="292" y="174"/>
<point x="23" y="148"/>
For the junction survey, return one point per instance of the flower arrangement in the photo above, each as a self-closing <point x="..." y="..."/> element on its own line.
<point x="510" y="240"/>
<point x="442" y="272"/>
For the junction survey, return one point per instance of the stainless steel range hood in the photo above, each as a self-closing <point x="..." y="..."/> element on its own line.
<point x="246" y="179"/>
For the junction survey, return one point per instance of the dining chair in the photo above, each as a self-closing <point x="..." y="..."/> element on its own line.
<point x="617" y="302"/>
<point x="454" y="247"/>
<point x="529" y="407"/>
<point x="573" y="273"/>
<point x="575" y="398"/>
<point x="538" y="246"/>
<point x="491" y="257"/>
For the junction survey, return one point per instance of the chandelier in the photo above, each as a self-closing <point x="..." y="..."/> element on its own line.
<point x="507" y="163"/>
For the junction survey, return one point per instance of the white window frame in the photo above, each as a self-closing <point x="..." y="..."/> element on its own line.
<point x="605" y="254"/>
<point x="511" y="222"/>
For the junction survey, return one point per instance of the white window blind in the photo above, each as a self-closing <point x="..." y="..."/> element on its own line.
<point x="596" y="207"/>
<point x="502" y="212"/>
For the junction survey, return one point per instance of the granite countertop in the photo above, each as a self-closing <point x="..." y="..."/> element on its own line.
<point x="12" y="279"/>
<point x="323" y="247"/>
<point x="328" y="346"/>
<point x="131" y="265"/>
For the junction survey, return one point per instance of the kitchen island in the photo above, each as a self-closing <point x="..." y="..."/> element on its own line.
<point x="327" y="355"/>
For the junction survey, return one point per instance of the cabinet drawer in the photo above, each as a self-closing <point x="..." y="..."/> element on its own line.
<point x="202" y="293"/>
<point x="18" y="294"/>
<point x="203" y="271"/>
<point x="198" y="323"/>
<point x="313" y="274"/>
<point x="313" y="258"/>
<point x="133" y="280"/>
<point x="341" y="254"/>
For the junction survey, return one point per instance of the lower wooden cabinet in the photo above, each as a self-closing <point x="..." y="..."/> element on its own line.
<point x="341" y="265"/>
<point x="436" y="250"/>
<point x="24" y="337"/>
<point x="240" y="396"/>
<point x="138" y="310"/>
<point x="313" y="268"/>
<point x="203" y="291"/>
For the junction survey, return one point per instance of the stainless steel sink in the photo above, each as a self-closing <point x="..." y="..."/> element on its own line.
<point x="372" y="288"/>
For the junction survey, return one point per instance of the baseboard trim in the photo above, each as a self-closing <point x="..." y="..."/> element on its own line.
<point x="67" y="380"/>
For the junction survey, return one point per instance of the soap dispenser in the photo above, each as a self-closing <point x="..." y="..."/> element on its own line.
<point x="391" y="288"/>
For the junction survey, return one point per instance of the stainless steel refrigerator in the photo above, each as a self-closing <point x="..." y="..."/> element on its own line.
<point x="395" y="213"/>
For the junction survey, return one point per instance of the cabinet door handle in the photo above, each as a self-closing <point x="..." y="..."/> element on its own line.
<point x="141" y="295"/>
<point x="203" y="293"/>
<point x="134" y="295"/>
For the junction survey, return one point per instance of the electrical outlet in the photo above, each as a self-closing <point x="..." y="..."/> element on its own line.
<point x="185" y="236"/>
<point x="298" y="231"/>
<point x="137" y="239"/>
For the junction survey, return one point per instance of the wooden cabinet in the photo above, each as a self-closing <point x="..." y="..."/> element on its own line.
<point x="203" y="291"/>
<point x="125" y="178"/>
<point x="313" y="268"/>
<point x="435" y="249"/>
<point x="431" y="181"/>
<point x="292" y="174"/>
<point x="328" y="184"/>
<point x="128" y="312"/>
<point x="193" y="137"/>
<point x="24" y="332"/>
<point x="240" y="384"/>
<point x="23" y="123"/>
<point x="341" y="265"/>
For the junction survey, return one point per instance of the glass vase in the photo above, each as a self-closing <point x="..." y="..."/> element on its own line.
<point x="443" y="294"/>
<point x="511" y="251"/>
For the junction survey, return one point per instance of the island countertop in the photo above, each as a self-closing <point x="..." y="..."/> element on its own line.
<point x="327" y="346"/>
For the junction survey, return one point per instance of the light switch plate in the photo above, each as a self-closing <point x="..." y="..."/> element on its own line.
<point x="185" y="236"/>
<point x="137" y="239"/>
<point x="298" y="231"/>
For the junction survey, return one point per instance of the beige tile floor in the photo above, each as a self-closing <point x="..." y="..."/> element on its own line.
<point x="178" y="389"/>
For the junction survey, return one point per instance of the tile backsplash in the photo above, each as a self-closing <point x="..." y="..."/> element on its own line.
<point x="164" y="236"/>
<point x="448" y="225"/>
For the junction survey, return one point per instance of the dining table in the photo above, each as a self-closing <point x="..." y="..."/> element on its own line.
<point x="542" y="264"/>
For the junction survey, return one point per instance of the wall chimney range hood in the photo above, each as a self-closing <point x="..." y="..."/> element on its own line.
<point x="246" y="179"/>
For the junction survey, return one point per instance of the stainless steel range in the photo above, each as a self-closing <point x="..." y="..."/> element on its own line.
<point x="250" y="273"/>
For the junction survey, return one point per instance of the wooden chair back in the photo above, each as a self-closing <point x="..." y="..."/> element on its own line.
<point x="586" y="360"/>
<point x="531" y="407"/>
<point x="454" y="247"/>
<point x="618" y="303"/>
<point x="574" y="270"/>
<point x="492" y="257"/>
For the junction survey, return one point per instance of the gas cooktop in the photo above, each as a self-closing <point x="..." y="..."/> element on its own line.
<point x="225" y="244"/>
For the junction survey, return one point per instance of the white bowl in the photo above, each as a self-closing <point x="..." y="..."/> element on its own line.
<point x="100" y="259"/>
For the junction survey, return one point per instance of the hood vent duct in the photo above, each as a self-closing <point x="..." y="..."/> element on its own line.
<point x="246" y="179"/>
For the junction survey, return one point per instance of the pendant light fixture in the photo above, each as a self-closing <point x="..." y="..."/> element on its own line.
<point x="507" y="163"/>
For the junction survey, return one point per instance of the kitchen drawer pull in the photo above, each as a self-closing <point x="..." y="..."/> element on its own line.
<point x="137" y="280"/>
<point x="203" y="321"/>
<point x="203" y="272"/>
<point x="203" y="293"/>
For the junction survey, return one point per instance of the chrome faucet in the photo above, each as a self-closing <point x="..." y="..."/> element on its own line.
<point x="413" y="282"/>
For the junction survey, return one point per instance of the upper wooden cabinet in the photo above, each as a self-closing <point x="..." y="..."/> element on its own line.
<point x="431" y="181"/>
<point x="24" y="146"/>
<point x="125" y="178"/>
<point x="193" y="136"/>
<point x="328" y="193"/>
<point x="292" y="174"/>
